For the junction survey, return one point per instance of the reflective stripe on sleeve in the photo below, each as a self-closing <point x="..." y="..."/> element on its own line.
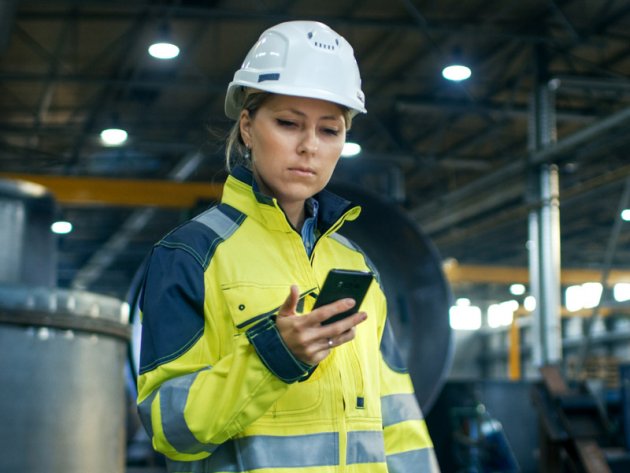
<point x="421" y="461"/>
<point x="399" y="408"/>
<point x="173" y="396"/>
<point x="144" y="410"/>
<point x="365" y="447"/>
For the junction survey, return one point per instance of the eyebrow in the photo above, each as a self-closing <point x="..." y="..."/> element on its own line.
<point x="325" y="117"/>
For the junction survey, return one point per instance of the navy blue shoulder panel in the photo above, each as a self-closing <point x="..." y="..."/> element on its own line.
<point x="390" y="351"/>
<point x="173" y="293"/>
<point x="172" y="307"/>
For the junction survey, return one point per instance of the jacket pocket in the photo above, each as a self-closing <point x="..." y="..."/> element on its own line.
<point x="249" y="303"/>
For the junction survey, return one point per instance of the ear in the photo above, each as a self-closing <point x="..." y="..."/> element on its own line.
<point x="245" y="124"/>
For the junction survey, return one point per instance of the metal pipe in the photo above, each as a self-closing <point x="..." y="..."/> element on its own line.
<point x="549" y="237"/>
<point x="7" y="18"/>
<point x="544" y="220"/>
<point x="516" y="167"/>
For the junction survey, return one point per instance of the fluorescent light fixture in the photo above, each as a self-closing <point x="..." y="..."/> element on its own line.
<point x="501" y="314"/>
<point x="621" y="291"/>
<point x="584" y="296"/>
<point x="592" y="294"/>
<point x="530" y="303"/>
<point x="163" y="50"/>
<point x="625" y="215"/>
<point x="61" y="227"/>
<point x="462" y="317"/>
<point x="456" y="72"/>
<point x="350" y="149"/>
<point x="113" y="136"/>
<point x="462" y="302"/>
<point x="517" y="289"/>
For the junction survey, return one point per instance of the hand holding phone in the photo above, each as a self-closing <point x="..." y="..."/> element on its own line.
<point x="341" y="284"/>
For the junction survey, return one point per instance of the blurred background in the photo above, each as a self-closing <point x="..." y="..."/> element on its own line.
<point x="496" y="193"/>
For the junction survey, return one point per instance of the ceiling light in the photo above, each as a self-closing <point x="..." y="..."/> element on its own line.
<point x="463" y="317"/>
<point x="529" y="303"/>
<point x="163" y="50"/>
<point x="113" y="136"/>
<point x="517" y="289"/>
<point x="350" y="149"/>
<point x="61" y="227"/>
<point x="625" y="215"/>
<point x="621" y="291"/>
<point x="456" y="72"/>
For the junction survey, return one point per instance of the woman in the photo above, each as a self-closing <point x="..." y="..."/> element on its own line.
<point x="236" y="375"/>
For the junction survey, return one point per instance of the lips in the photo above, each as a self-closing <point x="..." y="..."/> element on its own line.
<point x="303" y="171"/>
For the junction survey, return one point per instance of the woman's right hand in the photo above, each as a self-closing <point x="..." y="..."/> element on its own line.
<point x="306" y="337"/>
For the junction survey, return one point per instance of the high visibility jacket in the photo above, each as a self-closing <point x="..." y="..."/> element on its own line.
<point x="218" y="389"/>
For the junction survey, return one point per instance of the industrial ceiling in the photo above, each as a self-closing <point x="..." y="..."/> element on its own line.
<point x="458" y="157"/>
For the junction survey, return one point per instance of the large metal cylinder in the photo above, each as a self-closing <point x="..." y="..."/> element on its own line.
<point x="62" y="394"/>
<point x="27" y="245"/>
<point x="62" y="353"/>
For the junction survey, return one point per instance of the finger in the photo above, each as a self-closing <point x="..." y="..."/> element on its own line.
<point x="345" y="337"/>
<point x="336" y="329"/>
<point x="289" y="306"/>
<point x="325" y="312"/>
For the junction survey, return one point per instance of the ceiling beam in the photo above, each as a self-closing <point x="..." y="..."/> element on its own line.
<point x="484" y="274"/>
<point x="517" y="167"/>
<point x="90" y="191"/>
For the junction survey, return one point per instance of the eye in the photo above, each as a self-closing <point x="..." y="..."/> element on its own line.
<point x="331" y="131"/>
<point x="285" y="123"/>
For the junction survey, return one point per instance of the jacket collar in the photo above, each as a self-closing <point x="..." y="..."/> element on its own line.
<point x="241" y="192"/>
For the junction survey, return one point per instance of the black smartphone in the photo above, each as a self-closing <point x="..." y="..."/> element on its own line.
<point x="342" y="283"/>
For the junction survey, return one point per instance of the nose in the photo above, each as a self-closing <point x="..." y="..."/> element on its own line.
<point x="309" y="142"/>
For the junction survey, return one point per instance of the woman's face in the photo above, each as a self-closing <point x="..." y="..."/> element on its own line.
<point x="295" y="144"/>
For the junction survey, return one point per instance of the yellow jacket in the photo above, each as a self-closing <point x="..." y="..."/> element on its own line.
<point x="218" y="389"/>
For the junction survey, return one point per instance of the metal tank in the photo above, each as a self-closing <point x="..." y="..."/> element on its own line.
<point x="62" y="353"/>
<point x="418" y="295"/>
<point x="27" y="246"/>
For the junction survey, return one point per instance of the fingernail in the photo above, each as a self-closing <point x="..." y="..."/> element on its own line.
<point x="349" y="302"/>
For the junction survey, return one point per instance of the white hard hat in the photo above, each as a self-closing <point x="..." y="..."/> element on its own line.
<point x="300" y="58"/>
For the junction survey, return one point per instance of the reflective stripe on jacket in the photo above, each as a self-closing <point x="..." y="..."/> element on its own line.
<point x="218" y="389"/>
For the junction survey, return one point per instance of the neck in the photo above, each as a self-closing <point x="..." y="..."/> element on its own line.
<point x="295" y="213"/>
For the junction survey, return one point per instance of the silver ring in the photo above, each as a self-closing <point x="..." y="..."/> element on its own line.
<point x="330" y="342"/>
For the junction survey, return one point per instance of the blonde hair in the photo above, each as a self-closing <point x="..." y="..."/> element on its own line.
<point x="235" y="150"/>
<point x="236" y="153"/>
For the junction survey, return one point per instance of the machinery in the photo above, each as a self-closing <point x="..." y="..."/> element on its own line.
<point x="62" y="352"/>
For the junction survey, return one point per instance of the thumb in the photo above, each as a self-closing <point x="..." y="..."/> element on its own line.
<point x="290" y="304"/>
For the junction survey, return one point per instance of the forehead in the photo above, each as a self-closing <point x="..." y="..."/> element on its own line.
<point x="315" y="108"/>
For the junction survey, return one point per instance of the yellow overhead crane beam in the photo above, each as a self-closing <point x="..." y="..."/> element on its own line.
<point x="123" y="192"/>
<point x="90" y="191"/>
<point x="471" y="273"/>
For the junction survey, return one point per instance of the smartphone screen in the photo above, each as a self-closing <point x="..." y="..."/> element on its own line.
<point x="340" y="284"/>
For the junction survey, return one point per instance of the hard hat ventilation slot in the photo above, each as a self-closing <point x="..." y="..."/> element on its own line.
<point x="324" y="45"/>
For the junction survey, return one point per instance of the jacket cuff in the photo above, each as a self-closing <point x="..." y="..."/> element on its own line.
<point x="275" y="355"/>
